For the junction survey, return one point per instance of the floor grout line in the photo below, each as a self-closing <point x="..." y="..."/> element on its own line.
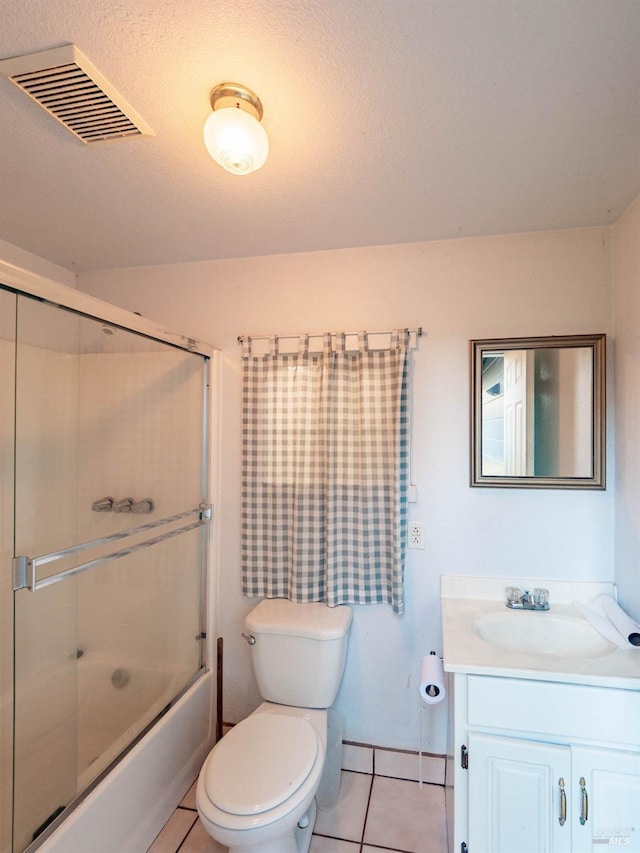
<point x="186" y="835"/>
<point x="380" y="847"/>
<point x="188" y="832"/>
<point x="366" y="812"/>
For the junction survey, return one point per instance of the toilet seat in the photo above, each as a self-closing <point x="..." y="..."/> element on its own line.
<point x="260" y="764"/>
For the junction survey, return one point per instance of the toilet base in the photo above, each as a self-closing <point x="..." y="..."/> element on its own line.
<point x="296" y="841"/>
<point x="303" y="836"/>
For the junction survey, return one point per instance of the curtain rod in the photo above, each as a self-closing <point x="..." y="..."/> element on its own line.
<point x="242" y="338"/>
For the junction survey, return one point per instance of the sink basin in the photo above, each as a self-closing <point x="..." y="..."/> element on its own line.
<point x="540" y="633"/>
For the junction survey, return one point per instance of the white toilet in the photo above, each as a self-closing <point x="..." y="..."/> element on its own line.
<point x="256" y="789"/>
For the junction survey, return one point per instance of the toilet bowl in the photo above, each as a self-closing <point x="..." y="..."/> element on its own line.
<point x="260" y="780"/>
<point x="256" y="789"/>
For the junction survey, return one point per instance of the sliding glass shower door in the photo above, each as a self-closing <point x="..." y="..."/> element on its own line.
<point x="110" y="546"/>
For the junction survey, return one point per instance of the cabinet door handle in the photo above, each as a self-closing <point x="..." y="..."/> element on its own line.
<point x="584" y="802"/>
<point x="563" y="803"/>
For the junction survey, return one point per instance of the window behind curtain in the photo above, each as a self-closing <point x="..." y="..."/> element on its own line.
<point x="325" y="469"/>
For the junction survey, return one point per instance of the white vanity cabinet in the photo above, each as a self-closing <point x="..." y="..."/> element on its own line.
<point x="515" y="795"/>
<point x="612" y="784"/>
<point x="551" y="767"/>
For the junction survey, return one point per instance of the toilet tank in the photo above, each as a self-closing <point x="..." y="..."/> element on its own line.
<point x="299" y="651"/>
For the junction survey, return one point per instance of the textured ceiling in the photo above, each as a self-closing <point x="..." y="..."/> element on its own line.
<point x="389" y="121"/>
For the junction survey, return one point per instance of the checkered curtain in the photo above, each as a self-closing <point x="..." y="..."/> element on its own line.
<point x="325" y="459"/>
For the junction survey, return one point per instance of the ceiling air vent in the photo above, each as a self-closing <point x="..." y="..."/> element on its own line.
<point x="72" y="90"/>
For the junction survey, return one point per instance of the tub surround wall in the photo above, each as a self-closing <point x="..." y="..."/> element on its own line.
<point x="148" y="456"/>
<point x="528" y="284"/>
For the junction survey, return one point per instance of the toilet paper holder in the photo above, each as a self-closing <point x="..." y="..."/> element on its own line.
<point x="432" y="691"/>
<point x="432" y="688"/>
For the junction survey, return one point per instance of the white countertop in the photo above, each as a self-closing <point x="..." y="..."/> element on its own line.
<point x="466" y="599"/>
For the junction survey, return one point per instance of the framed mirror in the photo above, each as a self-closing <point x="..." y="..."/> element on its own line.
<point x="538" y="412"/>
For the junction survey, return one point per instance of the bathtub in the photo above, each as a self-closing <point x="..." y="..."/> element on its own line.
<point x="127" y="809"/>
<point x="114" y="705"/>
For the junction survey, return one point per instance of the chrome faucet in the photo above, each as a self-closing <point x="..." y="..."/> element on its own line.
<point x="518" y="600"/>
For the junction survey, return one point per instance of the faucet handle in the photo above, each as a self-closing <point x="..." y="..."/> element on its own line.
<point x="513" y="594"/>
<point x="103" y="505"/>
<point x="541" y="598"/>
<point x="145" y="505"/>
<point x="123" y="505"/>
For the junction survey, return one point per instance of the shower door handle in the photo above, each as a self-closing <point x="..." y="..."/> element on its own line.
<point x="24" y="568"/>
<point x="24" y="573"/>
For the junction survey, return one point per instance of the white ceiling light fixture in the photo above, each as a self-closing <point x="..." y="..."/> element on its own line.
<point x="233" y="134"/>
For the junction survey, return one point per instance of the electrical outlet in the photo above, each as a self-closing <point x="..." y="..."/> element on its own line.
<point x="416" y="534"/>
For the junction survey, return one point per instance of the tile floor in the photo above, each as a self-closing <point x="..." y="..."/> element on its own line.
<point x="374" y="813"/>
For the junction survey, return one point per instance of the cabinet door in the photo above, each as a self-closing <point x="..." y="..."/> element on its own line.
<point x="610" y="802"/>
<point x="515" y="796"/>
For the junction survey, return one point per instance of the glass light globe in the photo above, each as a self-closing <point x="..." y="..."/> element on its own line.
<point x="236" y="140"/>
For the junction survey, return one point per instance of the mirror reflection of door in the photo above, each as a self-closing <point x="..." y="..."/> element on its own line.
<point x="518" y="420"/>
<point x="507" y="414"/>
<point x="537" y="412"/>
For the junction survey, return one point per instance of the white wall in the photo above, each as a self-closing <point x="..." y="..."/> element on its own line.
<point x="14" y="262"/>
<point x="626" y="236"/>
<point x="531" y="284"/>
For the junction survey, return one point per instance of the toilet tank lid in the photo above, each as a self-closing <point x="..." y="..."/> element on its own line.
<point x="315" y="620"/>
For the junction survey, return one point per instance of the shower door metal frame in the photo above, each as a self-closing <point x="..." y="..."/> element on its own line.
<point x="30" y="284"/>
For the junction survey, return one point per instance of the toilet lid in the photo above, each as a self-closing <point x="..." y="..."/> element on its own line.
<point x="260" y="763"/>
